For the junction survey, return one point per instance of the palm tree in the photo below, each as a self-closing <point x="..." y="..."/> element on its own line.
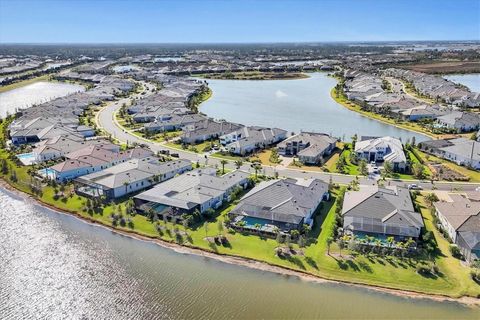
<point x="223" y="162"/>
<point x="257" y="167"/>
<point x="238" y="163"/>
<point x="329" y="243"/>
<point x="391" y="241"/>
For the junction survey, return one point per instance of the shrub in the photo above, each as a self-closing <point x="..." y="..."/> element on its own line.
<point x="423" y="268"/>
<point x="455" y="251"/>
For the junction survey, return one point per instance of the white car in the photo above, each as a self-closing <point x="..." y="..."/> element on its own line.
<point x="414" y="187"/>
<point x="477" y="189"/>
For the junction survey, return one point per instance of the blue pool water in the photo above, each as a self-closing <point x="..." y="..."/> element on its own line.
<point x="26" y="156"/>
<point x="252" y="221"/>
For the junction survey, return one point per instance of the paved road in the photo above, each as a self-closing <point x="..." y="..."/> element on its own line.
<point x="105" y="119"/>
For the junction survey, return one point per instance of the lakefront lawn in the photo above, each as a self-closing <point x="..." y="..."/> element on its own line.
<point x="312" y="257"/>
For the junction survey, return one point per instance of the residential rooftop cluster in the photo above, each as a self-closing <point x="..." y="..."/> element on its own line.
<point x="387" y="96"/>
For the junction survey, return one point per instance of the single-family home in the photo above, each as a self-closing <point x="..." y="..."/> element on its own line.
<point x="279" y="205"/>
<point x="309" y="147"/>
<point x="460" y="217"/>
<point x="382" y="149"/>
<point x="250" y="139"/>
<point x="381" y="212"/>
<point x="128" y="177"/>
<point x="199" y="189"/>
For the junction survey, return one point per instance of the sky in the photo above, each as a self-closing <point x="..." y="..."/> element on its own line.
<point x="220" y="21"/>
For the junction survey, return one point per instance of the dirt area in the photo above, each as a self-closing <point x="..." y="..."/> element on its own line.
<point x="445" y="173"/>
<point x="446" y="67"/>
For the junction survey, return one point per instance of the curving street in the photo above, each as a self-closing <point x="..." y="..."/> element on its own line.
<point x="105" y="119"/>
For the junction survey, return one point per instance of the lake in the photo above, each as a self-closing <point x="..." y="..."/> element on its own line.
<point x="35" y="93"/>
<point x="293" y="105"/>
<point x="472" y="81"/>
<point x="55" y="266"/>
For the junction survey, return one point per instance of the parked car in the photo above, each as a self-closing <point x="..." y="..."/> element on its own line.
<point x="414" y="186"/>
<point x="175" y="155"/>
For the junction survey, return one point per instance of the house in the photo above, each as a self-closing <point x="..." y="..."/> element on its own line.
<point x="199" y="189"/>
<point x="460" y="217"/>
<point x="59" y="146"/>
<point x="309" y="147"/>
<point x="382" y="149"/>
<point x="284" y="204"/>
<point x="206" y="130"/>
<point x="128" y="177"/>
<point x="462" y="151"/>
<point x="460" y="121"/>
<point x="249" y="139"/>
<point x="381" y="212"/>
<point x="88" y="160"/>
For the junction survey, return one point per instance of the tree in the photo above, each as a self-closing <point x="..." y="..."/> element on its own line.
<point x="223" y="162"/>
<point x="341" y="244"/>
<point x="391" y="241"/>
<point x="329" y="243"/>
<point x="341" y="163"/>
<point x="220" y="226"/>
<point x="431" y="198"/>
<point x="294" y="233"/>
<point x="205" y="226"/>
<point x="238" y="163"/>
<point x="354" y="141"/>
<point x="362" y="166"/>
<point x="388" y="167"/>
<point x="257" y="167"/>
<point x="301" y="241"/>
<point x="418" y="170"/>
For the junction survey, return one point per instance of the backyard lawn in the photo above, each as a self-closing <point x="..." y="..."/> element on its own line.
<point x="371" y="269"/>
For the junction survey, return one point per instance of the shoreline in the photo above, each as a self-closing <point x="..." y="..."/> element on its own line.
<point x="299" y="76"/>
<point x="429" y="135"/>
<point x="239" y="260"/>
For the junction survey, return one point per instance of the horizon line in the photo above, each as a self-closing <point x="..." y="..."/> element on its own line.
<point x="253" y="42"/>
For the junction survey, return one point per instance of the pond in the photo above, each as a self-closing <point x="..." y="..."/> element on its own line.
<point x="35" y="93"/>
<point x="293" y="105"/>
<point x="472" y="81"/>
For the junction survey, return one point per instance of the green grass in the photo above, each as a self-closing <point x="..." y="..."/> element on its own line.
<point x="373" y="270"/>
<point x="408" y="125"/>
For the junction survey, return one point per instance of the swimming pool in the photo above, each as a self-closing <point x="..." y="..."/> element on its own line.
<point x="27" y="158"/>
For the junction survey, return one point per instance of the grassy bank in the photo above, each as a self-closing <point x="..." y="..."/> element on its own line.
<point x="311" y="258"/>
<point x="407" y="125"/>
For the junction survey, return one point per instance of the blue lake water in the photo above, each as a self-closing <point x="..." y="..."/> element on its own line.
<point x="472" y="81"/>
<point x="293" y="105"/>
<point x="54" y="266"/>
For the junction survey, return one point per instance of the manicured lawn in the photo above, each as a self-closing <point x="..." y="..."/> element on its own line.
<point x="367" y="269"/>
<point x="341" y="99"/>
<point x="226" y="156"/>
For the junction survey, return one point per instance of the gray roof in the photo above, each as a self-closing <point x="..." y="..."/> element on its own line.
<point x="392" y="205"/>
<point x="193" y="188"/>
<point x="393" y="147"/>
<point x="132" y="171"/>
<point x="286" y="200"/>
